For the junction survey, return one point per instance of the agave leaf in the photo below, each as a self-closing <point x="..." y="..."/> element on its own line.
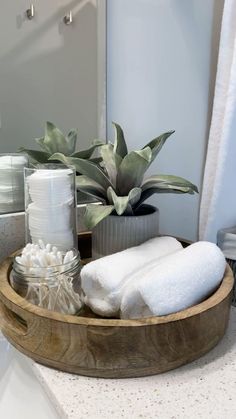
<point x="90" y="187"/>
<point x="120" y="202"/>
<point x="96" y="213"/>
<point x="131" y="171"/>
<point x="168" y="182"/>
<point x="178" y="186"/>
<point x="149" y="192"/>
<point x="123" y="203"/>
<point x="54" y="140"/>
<point x="96" y="160"/>
<point x="36" y="155"/>
<point x="97" y="142"/>
<point x="86" y="154"/>
<point x="40" y="142"/>
<point x="120" y="146"/>
<point x="157" y="143"/>
<point x="111" y="161"/>
<point x="86" y="167"/>
<point x="134" y="196"/>
<point x="71" y="141"/>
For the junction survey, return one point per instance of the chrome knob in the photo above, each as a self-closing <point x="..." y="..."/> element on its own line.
<point x="68" y="19"/>
<point x="30" y="12"/>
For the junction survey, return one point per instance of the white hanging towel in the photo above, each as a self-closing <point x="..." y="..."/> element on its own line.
<point x="102" y="279"/>
<point x="179" y="281"/>
<point x="218" y="202"/>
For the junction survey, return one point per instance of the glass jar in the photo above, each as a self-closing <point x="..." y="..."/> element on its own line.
<point x="12" y="182"/>
<point x="50" y="205"/>
<point x="54" y="288"/>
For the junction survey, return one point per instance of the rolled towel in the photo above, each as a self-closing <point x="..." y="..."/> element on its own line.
<point x="102" y="279"/>
<point x="179" y="281"/>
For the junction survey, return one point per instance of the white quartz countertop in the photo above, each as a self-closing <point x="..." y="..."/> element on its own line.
<point x="203" y="389"/>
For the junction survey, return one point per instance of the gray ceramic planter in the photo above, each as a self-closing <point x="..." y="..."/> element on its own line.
<point x="116" y="233"/>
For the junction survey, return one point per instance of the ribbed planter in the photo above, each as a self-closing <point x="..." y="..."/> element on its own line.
<point x="116" y="233"/>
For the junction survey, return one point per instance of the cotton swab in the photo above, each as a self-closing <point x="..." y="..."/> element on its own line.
<point x="43" y="255"/>
<point x="50" y="275"/>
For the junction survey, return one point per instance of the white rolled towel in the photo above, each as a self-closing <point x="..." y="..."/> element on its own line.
<point x="103" y="278"/>
<point x="179" y="281"/>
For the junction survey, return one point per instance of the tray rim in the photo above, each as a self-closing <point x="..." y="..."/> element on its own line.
<point x="7" y="294"/>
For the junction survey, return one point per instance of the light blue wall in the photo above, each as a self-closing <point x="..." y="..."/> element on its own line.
<point x="161" y="68"/>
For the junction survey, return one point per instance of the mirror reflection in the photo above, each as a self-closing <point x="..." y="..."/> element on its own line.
<point x="52" y="57"/>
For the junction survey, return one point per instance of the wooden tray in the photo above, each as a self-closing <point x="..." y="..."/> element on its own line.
<point x="109" y="347"/>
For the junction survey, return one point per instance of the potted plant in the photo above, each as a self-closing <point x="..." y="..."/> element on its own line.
<point x="123" y="220"/>
<point x="54" y="141"/>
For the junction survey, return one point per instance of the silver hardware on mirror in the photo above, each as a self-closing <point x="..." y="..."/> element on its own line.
<point x="68" y="19"/>
<point x="30" y="12"/>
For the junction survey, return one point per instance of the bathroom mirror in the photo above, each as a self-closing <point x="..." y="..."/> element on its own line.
<point x="52" y="68"/>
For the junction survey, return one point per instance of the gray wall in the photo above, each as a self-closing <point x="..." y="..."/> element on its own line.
<point x="161" y="70"/>
<point x="48" y="71"/>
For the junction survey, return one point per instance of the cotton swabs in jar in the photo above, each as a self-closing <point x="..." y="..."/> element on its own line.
<point x="49" y="278"/>
<point x="44" y="256"/>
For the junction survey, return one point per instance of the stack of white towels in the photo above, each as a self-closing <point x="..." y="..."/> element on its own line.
<point x="157" y="278"/>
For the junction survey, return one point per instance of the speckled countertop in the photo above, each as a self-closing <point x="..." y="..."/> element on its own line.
<point x="203" y="389"/>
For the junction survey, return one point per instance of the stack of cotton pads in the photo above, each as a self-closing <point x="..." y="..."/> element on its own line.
<point x="12" y="182"/>
<point x="50" y="211"/>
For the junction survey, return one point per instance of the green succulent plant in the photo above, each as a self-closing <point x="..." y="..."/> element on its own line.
<point x="118" y="182"/>
<point x="54" y="141"/>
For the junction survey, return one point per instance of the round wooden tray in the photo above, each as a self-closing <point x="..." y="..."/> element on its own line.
<point x="109" y="347"/>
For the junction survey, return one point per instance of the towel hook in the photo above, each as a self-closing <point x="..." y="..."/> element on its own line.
<point x="68" y="19"/>
<point x="30" y="12"/>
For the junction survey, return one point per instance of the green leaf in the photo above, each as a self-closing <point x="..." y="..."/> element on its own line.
<point x="86" y="154"/>
<point x="149" y="192"/>
<point x="134" y="196"/>
<point x="120" y="146"/>
<point x="111" y="161"/>
<point x="165" y="184"/>
<point x="168" y="182"/>
<point x="132" y="169"/>
<point x="96" y="160"/>
<point x="123" y="203"/>
<point x="40" y="142"/>
<point x="71" y="141"/>
<point x="37" y="156"/>
<point x="86" y="167"/>
<point x="157" y="143"/>
<point x="89" y="186"/>
<point x="96" y="213"/>
<point x="54" y="140"/>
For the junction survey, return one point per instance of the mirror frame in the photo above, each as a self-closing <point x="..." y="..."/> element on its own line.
<point x="101" y="66"/>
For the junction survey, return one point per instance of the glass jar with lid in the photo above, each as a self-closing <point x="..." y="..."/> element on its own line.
<point x="54" y="288"/>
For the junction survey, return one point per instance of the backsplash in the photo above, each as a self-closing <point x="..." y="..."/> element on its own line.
<point x="12" y="231"/>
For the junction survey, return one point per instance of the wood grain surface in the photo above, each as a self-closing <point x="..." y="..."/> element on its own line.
<point x="113" y="348"/>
